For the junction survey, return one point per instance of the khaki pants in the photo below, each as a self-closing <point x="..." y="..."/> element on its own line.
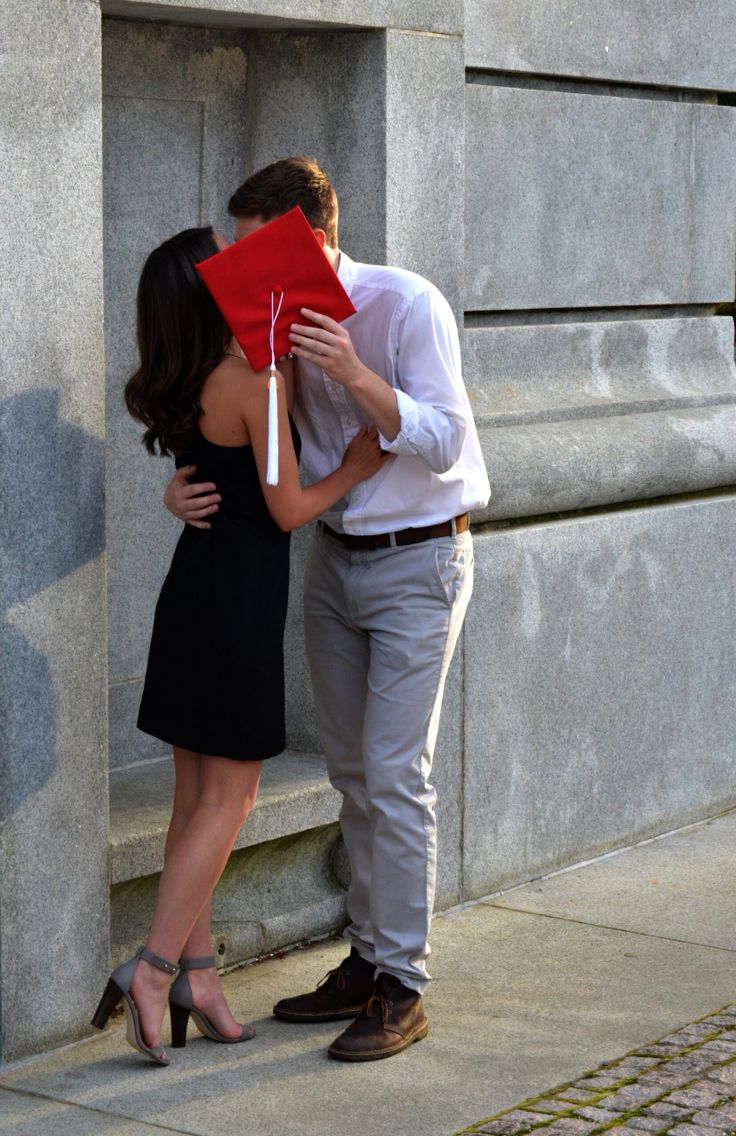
<point x="381" y="627"/>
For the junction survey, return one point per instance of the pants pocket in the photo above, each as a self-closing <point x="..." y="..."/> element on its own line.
<point x="453" y="565"/>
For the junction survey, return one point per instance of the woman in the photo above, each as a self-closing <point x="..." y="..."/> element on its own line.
<point x="214" y="686"/>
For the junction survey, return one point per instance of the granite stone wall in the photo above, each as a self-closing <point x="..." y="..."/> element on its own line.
<point x="565" y="172"/>
<point x="600" y="234"/>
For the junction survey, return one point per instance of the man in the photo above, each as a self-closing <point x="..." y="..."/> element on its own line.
<point x="386" y="590"/>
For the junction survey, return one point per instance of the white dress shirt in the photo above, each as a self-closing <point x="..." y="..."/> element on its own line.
<point x="404" y="331"/>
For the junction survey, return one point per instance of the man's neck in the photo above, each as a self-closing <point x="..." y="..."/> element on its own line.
<point x="333" y="255"/>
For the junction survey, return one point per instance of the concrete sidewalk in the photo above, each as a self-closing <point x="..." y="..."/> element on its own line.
<point x="532" y="989"/>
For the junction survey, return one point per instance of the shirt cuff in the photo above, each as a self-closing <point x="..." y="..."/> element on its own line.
<point x="405" y="440"/>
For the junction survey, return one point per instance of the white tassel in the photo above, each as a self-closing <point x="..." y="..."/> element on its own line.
<point x="272" y="464"/>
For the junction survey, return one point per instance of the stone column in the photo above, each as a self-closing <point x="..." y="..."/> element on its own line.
<point x="53" y="753"/>
<point x="424" y="232"/>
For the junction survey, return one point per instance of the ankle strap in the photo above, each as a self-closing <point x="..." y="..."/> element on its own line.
<point x="157" y="961"/>
<point x="200" y="963"/>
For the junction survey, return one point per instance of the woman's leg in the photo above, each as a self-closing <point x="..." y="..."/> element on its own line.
<point x="197" y="850"/>
<point x="207" y="992"/>
<point x="205" y="983"/>
<point x="186" y="794"/>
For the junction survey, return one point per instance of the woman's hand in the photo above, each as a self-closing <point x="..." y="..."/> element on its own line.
<point x="364" y="455"/>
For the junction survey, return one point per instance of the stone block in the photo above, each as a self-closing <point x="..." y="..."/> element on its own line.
<point x="294" y="796"/>
<point x="439" y="16"/>
<point x="556" y="371"/>
<point x="555" y="182"/>
<point x="632" y="41"/>
<point x="195" y="71"/>
<point x="53" y="842"/>
<point x="573" y="415"/>
<point x="270" y="896"/>
<point x="424" y="158"/>
<point x="599" y="663"/>
<point x="555" y="467"/>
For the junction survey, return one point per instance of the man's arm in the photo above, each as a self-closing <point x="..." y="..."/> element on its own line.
<point x="328" y="344"/>
<point x="427" y="418"/>
<point x="191" y="503"/>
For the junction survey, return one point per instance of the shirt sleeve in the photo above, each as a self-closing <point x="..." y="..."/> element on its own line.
<point x="432" y="402"/>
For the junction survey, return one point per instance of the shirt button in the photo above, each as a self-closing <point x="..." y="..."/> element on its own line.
<point x="346" y="420"/>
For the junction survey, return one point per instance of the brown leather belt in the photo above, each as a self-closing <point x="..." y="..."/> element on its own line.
<point x="400" y="538"/>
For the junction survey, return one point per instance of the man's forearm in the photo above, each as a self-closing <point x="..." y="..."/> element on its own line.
<point x="377" y="399"/>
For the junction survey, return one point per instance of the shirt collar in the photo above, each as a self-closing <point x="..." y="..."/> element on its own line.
<point x="346" y="271"/>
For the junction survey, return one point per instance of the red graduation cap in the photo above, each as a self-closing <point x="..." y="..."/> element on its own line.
<point x="273" y="272"/>
<point x="260" y="284"/>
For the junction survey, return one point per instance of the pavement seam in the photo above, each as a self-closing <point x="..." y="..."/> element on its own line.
<point x="35" y="1095"/>
<point x="547" y="1112"/>
<point x="607" y="927"/>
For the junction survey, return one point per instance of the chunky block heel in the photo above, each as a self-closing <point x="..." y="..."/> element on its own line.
<point x="179" y="1023"/>
<point x="109" y="1000"/>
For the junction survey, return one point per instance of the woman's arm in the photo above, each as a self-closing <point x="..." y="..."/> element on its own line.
<point x="286" y="370"/>
<point x="289" y="503"/>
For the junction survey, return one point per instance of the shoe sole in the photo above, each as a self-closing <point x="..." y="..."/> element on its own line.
<point x="333" y="1016"/>
<point x="134" y="1036"/>
<point x="379" y="1054"/>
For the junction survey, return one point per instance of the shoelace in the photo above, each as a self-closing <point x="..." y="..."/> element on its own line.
<point x="378" y="999"/>
<point x="340" y="981"/>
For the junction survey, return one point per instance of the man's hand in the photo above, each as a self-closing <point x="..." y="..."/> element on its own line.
<point x="191" y="503"/>
<point x="327" y="344"/>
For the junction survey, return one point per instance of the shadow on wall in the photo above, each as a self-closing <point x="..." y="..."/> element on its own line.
<point x="51" y="524"/>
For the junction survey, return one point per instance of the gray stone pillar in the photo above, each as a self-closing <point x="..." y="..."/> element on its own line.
<point x="424" y="232"/>
<point x="53" y="840"/>
<point x="425" y="162"/>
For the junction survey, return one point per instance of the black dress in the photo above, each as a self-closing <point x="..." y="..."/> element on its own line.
<point x="215" y="676"/>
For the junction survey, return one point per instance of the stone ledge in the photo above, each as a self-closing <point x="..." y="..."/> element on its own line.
<point x="557" y="467"/>
<point x="553" y="372"/>
<point x="438" y="16"/>
<point x="295" y="795"/>
<point x="615" y="41"/>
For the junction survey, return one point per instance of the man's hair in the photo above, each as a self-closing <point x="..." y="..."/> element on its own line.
<point x="279" y="187"/>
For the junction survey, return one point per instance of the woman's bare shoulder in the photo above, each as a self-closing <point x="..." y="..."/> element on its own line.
<point x="230" y="377"/>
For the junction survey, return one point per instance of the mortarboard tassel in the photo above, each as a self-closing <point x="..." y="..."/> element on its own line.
<point x="272" y="464"/>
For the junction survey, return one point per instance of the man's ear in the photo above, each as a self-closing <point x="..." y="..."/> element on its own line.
<point x="321" y="236"/>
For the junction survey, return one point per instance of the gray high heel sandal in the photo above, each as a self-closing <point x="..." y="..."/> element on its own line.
<point x="118" y="987"/>
<point x="181" y="1005"/>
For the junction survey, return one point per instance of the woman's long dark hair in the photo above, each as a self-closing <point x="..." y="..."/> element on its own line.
<point x="181" y="338"/>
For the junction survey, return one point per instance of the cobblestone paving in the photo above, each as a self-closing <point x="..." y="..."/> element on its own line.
<point x="683" y="1085"/>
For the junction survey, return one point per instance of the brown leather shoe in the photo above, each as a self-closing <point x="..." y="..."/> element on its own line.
<point x="391" y="1020"/>
<point x="342" y="993"/>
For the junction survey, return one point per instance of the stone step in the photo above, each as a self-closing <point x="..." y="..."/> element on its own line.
<point x="294" y="796"/>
